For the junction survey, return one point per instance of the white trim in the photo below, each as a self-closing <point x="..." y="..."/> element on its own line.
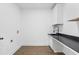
<point x="35" y="45"/>
<point x="14" y="50"/>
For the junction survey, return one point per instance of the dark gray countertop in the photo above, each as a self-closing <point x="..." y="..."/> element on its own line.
<point x="74" y="44"/>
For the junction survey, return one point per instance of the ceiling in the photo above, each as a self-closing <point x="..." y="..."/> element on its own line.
<point x="36" y="5"/>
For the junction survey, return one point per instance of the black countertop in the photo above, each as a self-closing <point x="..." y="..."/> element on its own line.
<point x="71" y="42"/>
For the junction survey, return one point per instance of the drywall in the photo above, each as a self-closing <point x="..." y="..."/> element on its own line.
<point x="9" y="24"/>
<point x="36" y="23"/>
<point x="70" y="11"/>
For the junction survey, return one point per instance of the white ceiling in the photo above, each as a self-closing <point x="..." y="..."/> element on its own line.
<point x="35" y="5"/>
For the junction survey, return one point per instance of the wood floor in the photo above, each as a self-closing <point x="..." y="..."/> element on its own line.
<point x="36" y="50"/>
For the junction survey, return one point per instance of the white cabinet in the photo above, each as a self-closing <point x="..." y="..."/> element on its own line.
<point x="57" y="14"/>
<point x="55" y="45"/>
<point x="58" y="46"/>
<point x="68" y="51"/>
<point x="50" y="41"/>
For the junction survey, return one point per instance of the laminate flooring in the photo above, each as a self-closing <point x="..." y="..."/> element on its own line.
<point x="36" y="50"/>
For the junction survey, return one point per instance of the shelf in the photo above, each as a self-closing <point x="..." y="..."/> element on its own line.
<point x="76" y="19"/>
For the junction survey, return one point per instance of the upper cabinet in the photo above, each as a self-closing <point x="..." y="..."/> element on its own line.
<point x="57" y="14"/>
<point x="60" y="13"/>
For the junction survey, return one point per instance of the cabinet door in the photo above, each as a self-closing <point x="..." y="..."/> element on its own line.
<point x="68" y="51"/>
<point x="50" y="41"/>
<point x="60" y="47"/>
<point x="57" y="47"/>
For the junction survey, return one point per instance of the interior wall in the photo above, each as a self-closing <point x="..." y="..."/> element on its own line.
<point x="71" y="11"/>
<point x="36" y="23"/>
<point x="9" y="24"/>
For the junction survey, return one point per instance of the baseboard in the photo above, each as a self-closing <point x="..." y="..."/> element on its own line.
<point x="13" y="51"/>
<point x="51" y="48"/>
<point x="35" y="45"/>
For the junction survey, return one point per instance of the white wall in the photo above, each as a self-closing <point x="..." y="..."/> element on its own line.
<point x="71" y="11"/>
<point x="36" y="23"/>
<point x="9" y="24"/>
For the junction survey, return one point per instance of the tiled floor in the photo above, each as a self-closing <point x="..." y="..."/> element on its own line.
<point x="35" y="50"/>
